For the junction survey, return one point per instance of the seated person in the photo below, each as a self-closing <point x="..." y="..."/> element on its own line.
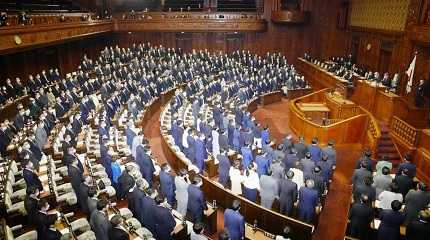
<point x="117" y="232"/>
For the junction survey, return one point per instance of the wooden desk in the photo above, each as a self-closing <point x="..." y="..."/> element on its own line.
<point x="314" y="110"/>
<point x="385" y="103"/>
<point x="364" y="93"/>
<point x="270" y="98"/>
<point x="256" y="233"/>
<point x="318" y="77"/>
<point x="340" y="108"/>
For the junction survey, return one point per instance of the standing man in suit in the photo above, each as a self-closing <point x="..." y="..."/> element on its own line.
<point x="83" y="194"/>
<point x="391" y="220"/>
<point x="419" y="229"/>
<point x="223" y="167"/>
<point x="315" y="150"/>
<point x="234" y="222"/>
<point x="200" y="153"/>
<point x="196" y="200"/>
<point x="164" y="221"/>
<point x="30" y="177"/>
<point x="247" y="156"/>
<point x="76" y="177"/>
<point x="415" y="201"/>
<point x="181" y="194"/>
<point x="31" y="202"/>
<point x="301" y="148"/>
<point x="145" y="163"/>
<point x="361" y="215"/>
<point x="269" y="190"/>
<point x="407" y="164"/>
<point x="330" y="151"/>
<point x="360" y="174"/>
<point x="43" y="220"/>
<point x="133" y="196"/>
<point x="287" y="193"/>
<point x="167" y="183"/>
<point x="404" y="182"/>
<point x="308" y="201"/>
<point x="117" y="232"/>
<point x="148" y="205"/>
<point x="99" y="221"/>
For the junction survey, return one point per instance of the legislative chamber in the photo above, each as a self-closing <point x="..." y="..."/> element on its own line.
<point x="215" y="119"/>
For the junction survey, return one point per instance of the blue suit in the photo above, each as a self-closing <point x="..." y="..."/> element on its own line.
<point x="308" y="200"/>
<point x="235" y="224"/>
<point x="262" y="165"/>
<point x="390" y="224"/>
<point x="147" y="213"/>
<point x="316" y="153"/>
<point x="145" y="164"/>
<point x="164" y="223"/>
<point x="247" y="156"/>
<point x="265" y="137"/>
<point x="201" y="154"/>
<point x="236" y="139"/>
<point x="130" y="134"/>
<point x="196" y="203"/>
<point x="406" y="165"/>
<point x="223" y="169"/>
<point x="191" y="152"/>
<point x="167" y="185"/>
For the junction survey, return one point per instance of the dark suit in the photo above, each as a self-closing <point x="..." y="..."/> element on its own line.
<point x="133" y="201"/>
<point x="30" y="205"/>
<point x="287" y="195"/>
<point x="390" y="224"/>
<point x="41" y="221"/>
<point x="405" y="184"/>
<point x="147" y="215"/>
<point x="164" y="223"/>
<point x="415" y="201"/>
<point x="223" y="169"/>
<point x="100" y="225"/>
<point x="76" y="178"/>
<point x="308" y="200"/>
<point x="145" y="163"/>
<point x="118" y="234"/>
<point x="360" y="215"/>
<point x="167" y="186"/>
<point x="52" y="234"/>
<point x="417" y="230"/>
<point x="125" y="182"/>
<point x="31" y="179"/>
<point x="235" y="224"/>
<point x="196" y="203"/>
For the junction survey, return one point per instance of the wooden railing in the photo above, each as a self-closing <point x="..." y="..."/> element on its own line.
<point x="51" y="18"/>
<point x="349" y="130"/>
<point x="405" y="132"/>
<point x="190" y="22"/>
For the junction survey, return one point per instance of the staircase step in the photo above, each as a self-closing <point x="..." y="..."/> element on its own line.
<point x="385" y="144"/>
<point x="386" y="149"/>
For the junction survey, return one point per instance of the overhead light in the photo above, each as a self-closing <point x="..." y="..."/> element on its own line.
<point x="129" y="32"/>
<point x="235" y="32"/>
<point x="182" y="32"/>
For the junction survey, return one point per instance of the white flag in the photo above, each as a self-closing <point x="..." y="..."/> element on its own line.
<point x="410" y="73"/>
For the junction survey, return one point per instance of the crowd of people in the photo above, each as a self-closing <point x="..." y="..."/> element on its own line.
<point x="395" y="200"/>
<point x="123" y="83"/>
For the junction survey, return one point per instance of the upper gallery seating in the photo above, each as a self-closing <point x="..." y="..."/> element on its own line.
<point x="237" y="6"/>
<point x="40" y="6"/>
<point x="187" y="5"/>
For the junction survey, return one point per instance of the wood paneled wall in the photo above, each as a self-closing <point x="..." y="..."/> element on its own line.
<point x="66" y="57"/>
<point x="321" y="36"/>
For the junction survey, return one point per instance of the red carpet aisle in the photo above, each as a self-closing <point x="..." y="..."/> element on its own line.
<point x="153" y="135"/>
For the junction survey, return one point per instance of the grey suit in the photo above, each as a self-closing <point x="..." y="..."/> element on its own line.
<point x="277" y="169"/>
<point x="381" y="182"/>
<point x="331" y="154"/>
<point x="268" y="190"/>
<point x="92" y="205"/>
<point x="41" y="137"/>
<point x="415" y="201"/>
<point x="100" y="225"/>
<point x="181" y="195"/>
<point x="359" y="176"/>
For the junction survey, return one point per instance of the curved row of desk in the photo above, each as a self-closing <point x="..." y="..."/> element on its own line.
<point x="266" y="219"/>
